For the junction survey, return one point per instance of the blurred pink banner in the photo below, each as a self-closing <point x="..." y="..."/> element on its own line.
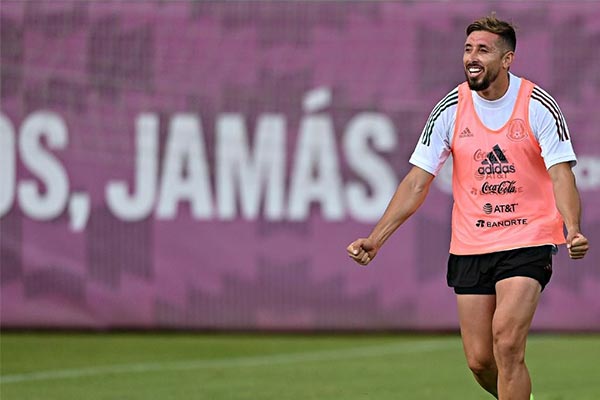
<point x="203" y="165"/>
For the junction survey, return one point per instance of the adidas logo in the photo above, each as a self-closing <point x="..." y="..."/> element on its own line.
<point x="495" y="162"/>
<point x="465" y="133"/>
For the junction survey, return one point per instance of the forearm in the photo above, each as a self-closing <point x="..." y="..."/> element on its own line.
<point x="569" y="205"/>
<point x="567" y="199"/>
<point x="409" y="196"/>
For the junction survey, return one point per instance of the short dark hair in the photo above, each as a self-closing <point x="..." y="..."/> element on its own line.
<point x="490" y="23"/>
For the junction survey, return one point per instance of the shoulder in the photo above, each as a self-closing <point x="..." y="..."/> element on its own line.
<point x="541" y="98"/>
<point x="446" y="105"/>
<point x="441" y="116"/>
<point x="448" y="100"/>
<point x="543" y="107"/>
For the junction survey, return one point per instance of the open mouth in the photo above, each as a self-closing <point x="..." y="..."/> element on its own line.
<point x="474" y="71"/>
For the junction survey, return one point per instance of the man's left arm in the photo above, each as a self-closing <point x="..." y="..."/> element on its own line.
<point x="569" y="205"/>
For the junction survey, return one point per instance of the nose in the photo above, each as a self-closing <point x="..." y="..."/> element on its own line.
<point x="472" y="59"/>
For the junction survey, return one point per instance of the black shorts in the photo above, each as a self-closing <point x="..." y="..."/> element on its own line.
<point x="478" y="274"/>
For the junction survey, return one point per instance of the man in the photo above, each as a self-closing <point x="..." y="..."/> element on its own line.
<point x="513" y="192"/>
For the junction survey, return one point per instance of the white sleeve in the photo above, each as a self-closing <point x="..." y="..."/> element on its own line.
<point x="433" y="147"/>
<point x="550" y="129"/>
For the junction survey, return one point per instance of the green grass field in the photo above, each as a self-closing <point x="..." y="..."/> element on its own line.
<point x="58" y="366"/>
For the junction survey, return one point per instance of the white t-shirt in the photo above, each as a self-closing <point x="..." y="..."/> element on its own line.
<point x="546" y="120"/>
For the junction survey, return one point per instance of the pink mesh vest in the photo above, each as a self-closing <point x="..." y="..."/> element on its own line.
<point x="503" y="196"/>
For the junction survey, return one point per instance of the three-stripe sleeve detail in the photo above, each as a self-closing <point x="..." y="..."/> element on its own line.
<point x="450" y="100"/>
<point x="550" y="104"/>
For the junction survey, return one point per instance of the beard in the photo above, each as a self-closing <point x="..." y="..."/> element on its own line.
<point x="484" y="83"/>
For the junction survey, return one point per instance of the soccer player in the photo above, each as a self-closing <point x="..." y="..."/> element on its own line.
<point x="513" y="192"/>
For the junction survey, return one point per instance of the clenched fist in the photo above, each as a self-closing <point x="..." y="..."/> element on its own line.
<point x="362" y="250"/>
<point x="578" y="245"/>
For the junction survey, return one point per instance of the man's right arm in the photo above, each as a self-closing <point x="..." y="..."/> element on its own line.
<point x="409" y="196"/>
<point x="431" y="152"/>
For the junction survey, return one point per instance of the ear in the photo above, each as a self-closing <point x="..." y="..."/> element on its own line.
<point x="507" y="59"/>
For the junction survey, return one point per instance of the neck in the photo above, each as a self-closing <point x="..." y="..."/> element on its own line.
<point x="497" y="89"/>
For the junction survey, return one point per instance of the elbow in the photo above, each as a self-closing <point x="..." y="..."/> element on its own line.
<point x="416" y="183"/>
<point x="561" y="173"/>
<point x="419" y="184"/>
<point x="419" y="188"/>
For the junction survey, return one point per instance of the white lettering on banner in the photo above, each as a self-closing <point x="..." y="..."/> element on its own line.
<point x="140" y="204"/>
<point x="51" y="201"/>
<point x="249" y="175"/>
<point x="265" y="168"/>
<point x="185" y="174"/>
<point x="368" y="165"/>
<point x="315" y="173"/>
<point x="8" y="162"/>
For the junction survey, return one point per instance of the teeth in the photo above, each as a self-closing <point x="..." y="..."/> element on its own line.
<point x="474" y="69"/>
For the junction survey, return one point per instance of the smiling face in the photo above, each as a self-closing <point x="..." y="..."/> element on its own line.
<point x="486" y="62"/>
